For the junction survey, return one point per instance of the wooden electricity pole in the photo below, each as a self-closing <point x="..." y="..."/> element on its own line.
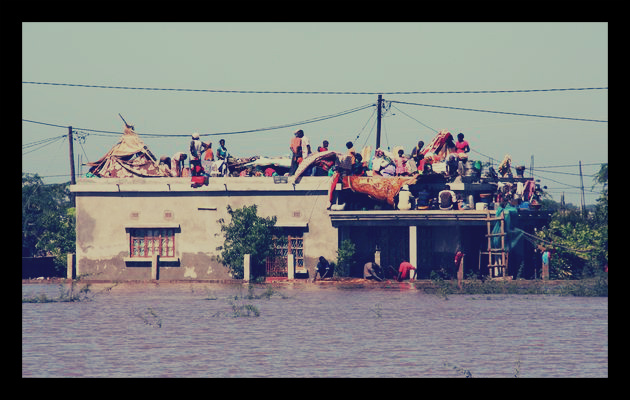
<point x="582" y="200"/>
<point x="71" y="148"/>
<point x="379" y="103"/>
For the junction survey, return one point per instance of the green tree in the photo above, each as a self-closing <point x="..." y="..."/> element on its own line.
<point x="247" y="233"/>
<point x="580" y="241"/>
<point x="345" y="258"/>
<point x="48" y="220"/>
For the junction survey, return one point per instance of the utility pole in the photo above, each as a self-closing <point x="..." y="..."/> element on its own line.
<point x="379" y="103"/>
<point x="71" y="148"/>
<point x="583" y="201"/>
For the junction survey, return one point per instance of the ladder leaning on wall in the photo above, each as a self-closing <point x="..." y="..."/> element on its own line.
<point x="497" y="257"/>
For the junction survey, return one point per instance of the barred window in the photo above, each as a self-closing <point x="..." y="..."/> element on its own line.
<point x="283" y="246"/>
<point x="146" y="242"/>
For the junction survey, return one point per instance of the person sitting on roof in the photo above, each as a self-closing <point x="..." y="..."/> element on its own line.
<point x="401" y="164"/>
<point x="427" y="165"/>
<point x="358" y="169"/>
<point x="452" y="165"/>
<point x="424" y="197"/>
<point x="322" y="167"/>
<point x="382" y="164"/>
<point x="447" y="199"/>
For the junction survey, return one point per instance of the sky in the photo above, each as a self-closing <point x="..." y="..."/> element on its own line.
<point x="213" y="64"/>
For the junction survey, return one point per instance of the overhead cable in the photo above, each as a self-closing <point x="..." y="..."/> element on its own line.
<point x="497" y="112"/>
<point x="308" y="121"/>
<point x="310" y="92"/>
<point x="43" y="144"/>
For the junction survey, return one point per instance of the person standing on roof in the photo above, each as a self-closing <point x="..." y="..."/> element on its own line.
<point x="306" y="151"/>
<point x="401" y="163"/>
<point x="208" y="158"/>
<point x="416" y="153"/>
<point x="306" y="145"/>
<point x="462" y="145"/>
<point x="196" y="148"/>
<point x="296" y="151"/>
<point x="222" y="155"/>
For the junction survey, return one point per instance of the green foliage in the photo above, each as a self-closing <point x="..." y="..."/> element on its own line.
<point x="345" y="258"/>
<point x="247" y="233"/>
<point x="48" y="220"/>
<point x="580" y="242"/>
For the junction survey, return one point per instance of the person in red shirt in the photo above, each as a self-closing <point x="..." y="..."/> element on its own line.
<point x="462" y="145"/>
<point x="403" y="270"/>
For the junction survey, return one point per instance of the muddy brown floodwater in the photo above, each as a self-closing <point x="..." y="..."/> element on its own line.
<point x="310" y="330"/>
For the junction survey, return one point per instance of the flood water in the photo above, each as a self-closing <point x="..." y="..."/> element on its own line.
<point x="310" y="330"/>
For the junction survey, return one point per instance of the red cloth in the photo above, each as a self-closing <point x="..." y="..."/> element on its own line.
<point x="404" y="269"/>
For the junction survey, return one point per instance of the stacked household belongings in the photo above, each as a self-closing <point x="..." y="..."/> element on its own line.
<point x="129" y="158"/>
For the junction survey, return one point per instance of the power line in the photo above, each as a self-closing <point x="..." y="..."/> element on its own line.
<point x="497" y="112"/>
<point x="308" y="121"/>
<point x="570" y="165"/>
<point x="43" y="144"/>
<point x="38" y="142"/>
<point x="311" y="92"/>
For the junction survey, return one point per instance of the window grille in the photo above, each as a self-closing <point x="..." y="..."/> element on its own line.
<point x="277" y="264"/>
<point x="146" y="242"/>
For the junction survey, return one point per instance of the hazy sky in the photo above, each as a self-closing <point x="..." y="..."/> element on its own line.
<point x="321" y="57"/>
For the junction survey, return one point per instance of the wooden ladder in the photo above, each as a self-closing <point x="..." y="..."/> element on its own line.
<point x="497" y="258"/>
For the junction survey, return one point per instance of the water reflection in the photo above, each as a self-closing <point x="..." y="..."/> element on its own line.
<point x="311" y="331"/>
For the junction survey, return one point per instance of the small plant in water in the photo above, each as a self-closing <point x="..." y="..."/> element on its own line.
<point x="377" y="310"/>
<point x="65" y="295"/>
<point x="468" y="374"/>
<point x="151" y="318"/>
<point x="239" y="310"/>
<point x="463" y="371"/>
<point x="517" y="368"/>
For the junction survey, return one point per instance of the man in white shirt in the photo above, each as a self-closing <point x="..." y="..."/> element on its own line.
<point x="447" y="199"/>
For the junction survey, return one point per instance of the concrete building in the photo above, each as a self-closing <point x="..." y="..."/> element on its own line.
<point x="118" y="219"/>
<point x="122" y="223"/>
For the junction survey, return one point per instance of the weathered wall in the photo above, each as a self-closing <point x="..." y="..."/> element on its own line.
<point x="106" y="208"/>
